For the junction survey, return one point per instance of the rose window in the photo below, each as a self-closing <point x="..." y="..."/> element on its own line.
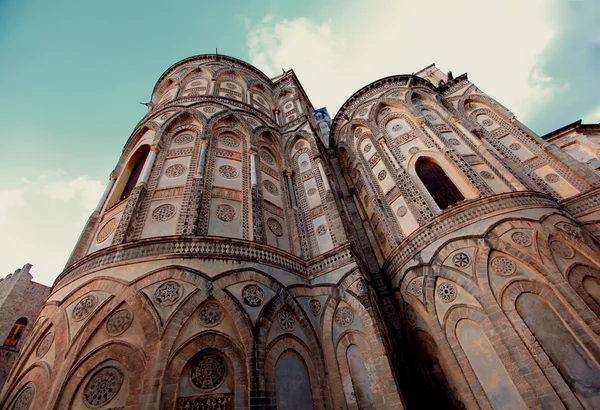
<point x="163" y="213"/>
<point x="208" y="372"/>
<point x="175" y="170"/>
<point x="447" y="292"/>
<point x="84" y="307"/>
<point x="225" y="212"/>
<point x="119" y="322"/>
<point x="461" y="260"/>
<point x="344" y="316"/>
<point x="228" y="171"/>
<point x="286" y="320"/>
<point x="275" y="227"/>
<point x="103" y="387"/>
<point x="211" y="314"/>
<point x="167" y="293"/>
<point x="503" y="266"/>
<point x="253" y="295"/>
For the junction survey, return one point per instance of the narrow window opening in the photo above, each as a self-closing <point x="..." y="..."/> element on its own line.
<point x="439" y="185"/>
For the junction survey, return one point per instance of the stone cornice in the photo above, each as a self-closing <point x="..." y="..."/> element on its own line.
<point x="205" y="247"/>
<point x="462" y="216"/>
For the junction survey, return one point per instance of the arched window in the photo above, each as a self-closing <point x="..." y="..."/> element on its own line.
<point x="135" y="167"/>
<point x="292" y="386"/>
<point x="16" y="332"/>
<point x="441" y="188"/>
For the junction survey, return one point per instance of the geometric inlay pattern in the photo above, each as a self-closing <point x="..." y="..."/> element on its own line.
<point x="271" y="187"/>
<point x="229" y="141"/>
<point x="321" y="230"/>
<point x="225" y="212"/>
<point x="461" y="260"/>
<point x="447" y="292"/>
<point x="382" y="174"/>
<point x="344" y="316"/>
<point x="275" y="227"/>
<point x="552" y="178"/>
<point x="44" y="345"/>
<point x="415" y="287"/>
<point x="163" y="212"/>
<point x="208" y="372"/>
<point x="211" y="314"/>
<point x="103" y="387"/>
<point x="521" y="238"/>
<point x="84" y="307"/>
<point x="23" y="401"/>
<point x="175" y="170"/>
<point x="106" y="230"/>
<point x="168" y="293"/>
<point x="253" y="295"/>
<point x="228" y="171"/>
<point x="119" y="322"/>
<point x="486" y="175"/>
<point x="183" y="139"/>
<point x="286" y="320"/>
<point x="503" y="266"/>
<point x="515" y="146"/>
<point x="315" y="306"/>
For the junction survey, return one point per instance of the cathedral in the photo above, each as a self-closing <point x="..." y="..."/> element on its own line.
<point x="422" y="249"/>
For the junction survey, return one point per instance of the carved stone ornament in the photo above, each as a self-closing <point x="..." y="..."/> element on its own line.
<point x="229" y="141"/>
<point x="24" y="399"/>
<point x="413" y="150"/>
<point x="487" y="123"/>
<point x="175" y="170"/>
<point x="253" y="295"/>
<point x="515" y="146"/>
<point x="415" y="287"/>
<point x="487" y="175"/>
<point x="361" y="287"/>
<point x="461" y="260"/>
<point x="208" y="372"/>
<point x="225" y="212"/>
<point x="344" y="316"/>
<point x="321" y="230"/>
<point x="382" y="175"/>
<point x="183" y="139"/>
<point x="304" y="164"/>
<point x="314" y="306"/>
<point x="119" y="322"/>
<point x="552" y="178"/>
<point x="397" y="127"/>
<point x="447" y="292"/>
<point x="521" y="238"/>
<point x="431" y="117"/>
<point x="44" y="345"/>
<point x="211" y="314"/>
<point x="286" y="320"/>
<point x="402" y="210"/>
<point x="103" y="386"/>
<point x="271" y="187"/>
<point x="168" y="293"/>
<point x="503" y="266"/>
<point x="562" y="250"/>
<point x="312" y="191"/>
<point x="163" y="212"/>
<point x="275" y="227"/>
<point x="453" y="141"/>
<point x="228" y="171"/>
<point x="84" y="308"/>
<point x="209" y="110"/>
<point x="267" y="158"/>
<point x="107" y="230"/>
<point x="368" y="148"/>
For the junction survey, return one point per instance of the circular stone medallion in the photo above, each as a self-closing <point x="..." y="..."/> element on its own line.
<point x="163" y="212"/>
<point x="382" y="175"/>
<point x="253" y="295"/>
<point x="208" y="372"/>
<point x="183" y="139"/>
<point x="521" y="238"/>
<point x="229" y="141"/>
<point x="312" y="191"/>
<point x="211" y="314"/>
<point x="321" y="230"/>
<point x="344" y="316"/>
<point x="487" y="175"/>
<point x="397" y="127"/>
<point x="228" y="171"/>
<point x="515" y="146"/>
<point x="44" y="345"/>
<point x="119" y="322"/>
<point x="225" y="213"/>
<point x="168" y="293"/>
<point x="271" y="187"/>
<point x="287" y="321"/>
<point x="415" y="287"/>
<point x="315" y="306"/>
<point x="175" y="170"/>
<point x="103" y="387"/>
<point x="487" y="123"/>
<point x="552" y="178"/>
<point x="401" y="211"/>
<point x="413" y="150"/>
<point x="84" y="307"/>
<point x="275" y="227"/>
<point x="461" y="260"/>
<point x="503" y="266"/>
<point x="447" y="292"/>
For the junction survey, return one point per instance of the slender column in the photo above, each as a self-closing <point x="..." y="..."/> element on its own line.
<point x="277" y="116"/>
<point x="212" y="87"/>
<point x="288" y="174"/>
<point x="324" y="177"/>
<point x="248" y="97"/>
<point x="367" y="183"/>
<point x="148" y="165"/>
<point x="389" y="154"/>
<point x="111" y="184"/>
<point x="202" y="159"/>
<point x="253" y="169"/>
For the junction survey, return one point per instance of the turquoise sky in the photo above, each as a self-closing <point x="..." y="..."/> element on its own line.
<point x="74" y="72"/>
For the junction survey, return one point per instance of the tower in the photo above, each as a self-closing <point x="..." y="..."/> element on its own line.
<point x="423" y="249"/>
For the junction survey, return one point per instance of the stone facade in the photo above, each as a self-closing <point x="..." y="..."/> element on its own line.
<point x="423" y="249"/>
<point x="21" y="300"/>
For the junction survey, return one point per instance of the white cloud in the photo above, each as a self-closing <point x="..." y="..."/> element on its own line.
<point x="41" y="220"/>
<point x="496" y="43"/>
